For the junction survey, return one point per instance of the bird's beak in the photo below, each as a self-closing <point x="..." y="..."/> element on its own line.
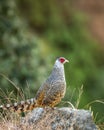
<point x="66" y="60"/>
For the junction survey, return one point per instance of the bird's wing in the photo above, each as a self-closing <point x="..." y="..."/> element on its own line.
<point x="41" y="93"/>
<point x="54" y="94"/>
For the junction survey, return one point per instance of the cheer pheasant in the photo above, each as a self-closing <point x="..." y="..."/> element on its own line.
<point x="49" y="94"/>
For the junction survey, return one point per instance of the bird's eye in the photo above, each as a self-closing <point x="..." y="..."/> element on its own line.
<point x="61" y="60"/>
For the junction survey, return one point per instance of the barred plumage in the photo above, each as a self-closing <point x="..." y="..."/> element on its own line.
<point x="21" y="106"/>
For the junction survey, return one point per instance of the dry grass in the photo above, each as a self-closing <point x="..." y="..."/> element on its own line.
<point x="16" y="122"/>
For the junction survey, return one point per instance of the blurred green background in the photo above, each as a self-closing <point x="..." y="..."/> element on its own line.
<point x="34" y="32"/>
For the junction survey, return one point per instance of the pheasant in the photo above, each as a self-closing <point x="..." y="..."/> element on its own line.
<point x="49" y="94"/>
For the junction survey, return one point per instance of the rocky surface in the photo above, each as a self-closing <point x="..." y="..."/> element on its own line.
<point x="60" y="119"/>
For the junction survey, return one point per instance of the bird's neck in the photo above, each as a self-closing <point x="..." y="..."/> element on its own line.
<point x="58" y="71"/>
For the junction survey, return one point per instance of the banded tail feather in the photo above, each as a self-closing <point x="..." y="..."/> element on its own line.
<point x="22" y="106"/>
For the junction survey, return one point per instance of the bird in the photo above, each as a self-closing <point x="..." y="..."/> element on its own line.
<point x="49" y="94"/>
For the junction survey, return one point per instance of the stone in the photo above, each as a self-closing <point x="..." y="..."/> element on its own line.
<point x="60" y="119"/>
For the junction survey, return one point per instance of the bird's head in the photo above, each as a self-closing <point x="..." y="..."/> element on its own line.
<point x="59" y="65"/>
<point x="62" y="60"/>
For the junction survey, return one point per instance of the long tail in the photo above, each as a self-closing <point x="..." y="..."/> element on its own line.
<point x="22" y="106"/>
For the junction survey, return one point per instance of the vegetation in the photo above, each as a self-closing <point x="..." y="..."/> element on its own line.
<point x="19" y="50"/>
<point x="34" y="34"/>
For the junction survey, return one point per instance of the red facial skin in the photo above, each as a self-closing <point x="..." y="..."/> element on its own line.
<point x="62" y="60"/>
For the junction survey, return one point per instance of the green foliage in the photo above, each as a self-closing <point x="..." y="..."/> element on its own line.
<point x="20" y="55"/>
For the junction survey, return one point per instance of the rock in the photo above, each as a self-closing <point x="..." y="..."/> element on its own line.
<point x="60" y="119"/>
